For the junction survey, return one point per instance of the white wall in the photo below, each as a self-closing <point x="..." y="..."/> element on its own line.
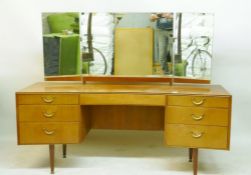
<point x="21" y="61"/>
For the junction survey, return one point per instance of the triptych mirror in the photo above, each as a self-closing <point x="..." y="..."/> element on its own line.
<point x="128" y="44"/>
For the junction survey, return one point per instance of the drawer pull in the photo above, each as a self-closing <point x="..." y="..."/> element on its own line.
<point x="197" y="134"/>
<point x="48" y="99"/>
<point x="48" y="115"/>
<point x="197" y="117"/>
<point x="198" y="103"/>
<point x="48" y="132"/>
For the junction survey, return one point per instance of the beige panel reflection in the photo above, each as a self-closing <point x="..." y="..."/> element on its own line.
<point x="133" y="51"/>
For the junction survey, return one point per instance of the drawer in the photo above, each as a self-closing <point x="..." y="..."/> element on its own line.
<point x="47" y="99"/>
<point x="197" y="115"/>
<point x="46" y="133"/>
<point x="195" y="136"/>
<point x="203" y="101"/>
<point x="122" y="99"/>
<point x="49" y="113"/>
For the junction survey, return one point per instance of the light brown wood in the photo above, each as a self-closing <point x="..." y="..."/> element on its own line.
<point x="48" y="99"/>
<point x="136" y="79"/>
<point x="86" y="120"/>
<point x="133" y="48"/>
<point x="17" y="120"/>
<point x="77" y="88"/>
<point x="180" y="135"/>
<point x="50" y="132"/>
<point x="115" y="78"/>
<point x="49" y="113"/>
<point x="190" y="80"/>
<point x="63" y="112"/>
<point x="122" y="99"/>
<point x="199" y="101"/>
<point x="127" y="117"/>
<point x="197" y="115"/>
<point x="230" y="120"/>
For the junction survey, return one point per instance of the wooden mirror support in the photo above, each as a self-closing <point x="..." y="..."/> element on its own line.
<point x="127" y="79"/>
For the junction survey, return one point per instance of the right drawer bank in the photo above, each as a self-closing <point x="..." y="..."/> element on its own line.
<point x="198" y="121"/>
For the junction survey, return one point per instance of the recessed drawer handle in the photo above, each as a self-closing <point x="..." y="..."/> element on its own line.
<point x="47" y="132"/>
<point x="197" y="134"/>
<point x="198" y="103"/>
<point x="197" y="117"/>
<point x="48" y="115"/>
<point x="48" y="99"/>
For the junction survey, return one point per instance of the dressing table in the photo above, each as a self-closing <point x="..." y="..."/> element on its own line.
<point x="93" y="85"/>
<point x="191" y="116"/>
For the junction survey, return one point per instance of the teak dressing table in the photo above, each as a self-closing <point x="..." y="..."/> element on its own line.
<point x="191" y="116"/>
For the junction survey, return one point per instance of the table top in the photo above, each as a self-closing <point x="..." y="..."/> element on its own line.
<point x="79" y="87"/>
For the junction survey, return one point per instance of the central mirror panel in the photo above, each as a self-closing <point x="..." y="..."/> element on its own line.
<point x="128" y="44"/>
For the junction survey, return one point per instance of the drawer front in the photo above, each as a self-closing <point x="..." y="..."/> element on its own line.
<point x="202" y="101"/>
<point x="45" y="133"/>
<point x="45" y="113"/>
<point x="194" y="136"/>
<point x="197" y="115"/>
<point x="47" y="99"/>
<point x="122" y="99"/>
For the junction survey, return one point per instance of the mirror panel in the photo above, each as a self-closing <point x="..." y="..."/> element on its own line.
<point x="128" y="44"/>
<point x="193" y="39"/>
<point x="61" y="44"/>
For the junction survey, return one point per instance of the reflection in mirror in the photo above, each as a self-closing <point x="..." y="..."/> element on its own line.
<point x="133" y="44"/>
<point x="127" y="43"/>
<point x="97" y="42"/>
<point x="61" y="43"/>
<point x="193" y="45"/>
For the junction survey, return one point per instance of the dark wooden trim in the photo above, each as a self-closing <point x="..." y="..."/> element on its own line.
<point x="195" y="161"/>
<point x="132" y="79"/>
<point x="63" y="78"/>
<point x="190" y="150"/>
<point x="64" y="146"/>
<point x="52" y="153"/>
<point x="190" y="80"/>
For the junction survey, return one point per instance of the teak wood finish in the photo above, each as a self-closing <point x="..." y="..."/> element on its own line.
<point x="126" y="79"/>
<point x="191" y="116"/>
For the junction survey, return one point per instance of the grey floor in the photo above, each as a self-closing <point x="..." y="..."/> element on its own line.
<point x="121" y="153"/>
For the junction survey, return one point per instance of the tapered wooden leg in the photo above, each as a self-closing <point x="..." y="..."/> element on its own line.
<point x="64" y="150"/>
<point x="52" y="152"/>
<point x="195" y="161"/>
<point x="190" y="154"/>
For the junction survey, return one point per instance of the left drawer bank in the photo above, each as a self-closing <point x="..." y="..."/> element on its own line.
<point x="49" y="119"/>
